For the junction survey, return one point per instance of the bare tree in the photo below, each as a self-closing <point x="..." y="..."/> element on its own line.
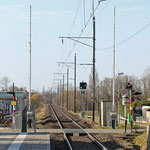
<point x="145" y="83"/>
<point x="90" y="87"/>
<point x="105" y="89"/>
<point x="5" y="81"/>
<point x="15" y="88"/>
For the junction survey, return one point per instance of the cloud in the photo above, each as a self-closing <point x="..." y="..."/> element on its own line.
<point x="128" y="10"/>
<point x="50" y="13"/>
<point x="17" y="11"/>
<point x="9" y="8"/>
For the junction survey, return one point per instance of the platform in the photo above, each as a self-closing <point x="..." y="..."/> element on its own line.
<point x="92" y="131"/>
<point x="24" y="141"/>
<point x="13" y="140"/>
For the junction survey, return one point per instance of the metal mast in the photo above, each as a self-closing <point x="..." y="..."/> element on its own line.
<point x="30" y="64"/>
<point x="113" y="106"/>
<point x="93" y="61"/>
<point x="75" y="84"/>
<point x="67" y="87"/>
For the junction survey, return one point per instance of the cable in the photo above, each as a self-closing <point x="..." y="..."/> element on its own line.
<point x="82" y="32"/>
<point x="74" y="20"/>
<point x="85" y="69"/>
<point x="75" y="17"/>
<point x="84" y="11"/>
<point x="86" y="26"/>
<point x="105" y="6"/>
<point x="130" y="37"/>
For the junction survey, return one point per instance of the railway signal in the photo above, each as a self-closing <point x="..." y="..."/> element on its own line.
<point x="83" y="85"/>
<point x="13" y="103"/>
<point x="129" y="86"/>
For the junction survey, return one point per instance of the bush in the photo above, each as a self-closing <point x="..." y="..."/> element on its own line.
<point x="36" y="99"/>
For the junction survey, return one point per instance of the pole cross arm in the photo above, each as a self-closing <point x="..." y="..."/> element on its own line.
<point x="137" y="93"/>
<point x="67" y="64"/>
<point x="85" y="64"/>
<point x="60" y="73"/>
<point x="10" y="92"/>
<point x="74" y="39"/>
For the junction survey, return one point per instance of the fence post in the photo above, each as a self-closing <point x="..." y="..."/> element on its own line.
<point x="34" y="119"/>
<point x="148" y="129"/>
<point x="24" y="120"/>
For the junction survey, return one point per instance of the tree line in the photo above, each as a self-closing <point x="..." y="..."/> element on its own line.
<point x="104" y="90"/>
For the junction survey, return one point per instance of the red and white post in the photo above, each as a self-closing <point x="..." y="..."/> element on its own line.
<point x="131" y="111"/>
<point x="13" y="105"/>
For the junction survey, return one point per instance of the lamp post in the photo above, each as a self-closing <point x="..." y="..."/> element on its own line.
<point x="119" y="74"/>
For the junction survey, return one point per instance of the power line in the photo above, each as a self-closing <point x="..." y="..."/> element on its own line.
<point x="74" y="20"/>
<point x="86" y="26"/>
<point x="82" y="32"/>
<point x="105" y="6"/>
<point x="130" y="37"/>
<point x="84" y="70"/>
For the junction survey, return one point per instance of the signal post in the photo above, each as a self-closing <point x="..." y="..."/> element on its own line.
<point x="83" y="86"/>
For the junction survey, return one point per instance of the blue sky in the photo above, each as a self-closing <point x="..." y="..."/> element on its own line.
<point x="51" y="19"/>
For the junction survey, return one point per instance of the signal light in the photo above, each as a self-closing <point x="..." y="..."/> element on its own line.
<point x="83" y="85"/>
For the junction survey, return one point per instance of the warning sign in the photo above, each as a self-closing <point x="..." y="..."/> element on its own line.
<point x="124" y="92"/>
<point x="13" y="102"/>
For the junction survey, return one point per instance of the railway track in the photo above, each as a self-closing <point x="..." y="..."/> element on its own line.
<point x="65" y="122"/>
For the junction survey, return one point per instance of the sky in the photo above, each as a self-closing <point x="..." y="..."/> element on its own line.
<point x="52" y="19"/>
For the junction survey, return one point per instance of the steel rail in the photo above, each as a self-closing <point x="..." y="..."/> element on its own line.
<point x="100" y="145"/>
<point x="65" y="137"/>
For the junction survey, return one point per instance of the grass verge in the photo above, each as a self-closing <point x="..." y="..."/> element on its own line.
<point x="141" y="141"/>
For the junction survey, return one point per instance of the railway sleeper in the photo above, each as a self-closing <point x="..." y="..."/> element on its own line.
<point x="76" y="134"/>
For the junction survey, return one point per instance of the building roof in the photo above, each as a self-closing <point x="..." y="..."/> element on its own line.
<point x="7" y="96"/>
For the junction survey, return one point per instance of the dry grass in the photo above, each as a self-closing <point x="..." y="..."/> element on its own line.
<point x="40" y="114"/>
<point x="141" y="141"/>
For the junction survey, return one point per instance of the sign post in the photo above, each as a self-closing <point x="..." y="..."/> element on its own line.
<point x="83" y="86"/>
<point x="124" y="94"/>
<point x="14" y="105"/>
<point x="129" y="87"/>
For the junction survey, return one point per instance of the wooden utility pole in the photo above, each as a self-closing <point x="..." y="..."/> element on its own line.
<point x="63" y="91"/>
<point x="67" y="87"/>
<point x="75" y="84"/>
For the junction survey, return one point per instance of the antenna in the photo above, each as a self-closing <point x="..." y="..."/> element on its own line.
<point x="30" y="64"/>
<point x="113" y="109"/>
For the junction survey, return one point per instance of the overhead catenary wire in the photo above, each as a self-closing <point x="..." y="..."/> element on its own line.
<point x="74" y="20"/>
<point x="85" y="25"/>
<point x="84" y="11"/>
<point x="127" y="39"/>
<point x="81" y="33"/>
<point x="86" y="67"/>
